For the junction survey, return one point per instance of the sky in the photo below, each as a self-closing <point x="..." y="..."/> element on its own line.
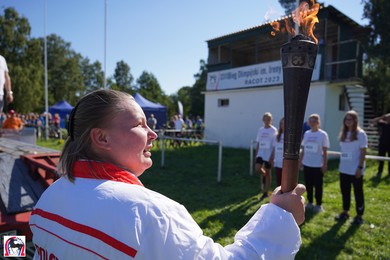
<point x="165" y="38"/>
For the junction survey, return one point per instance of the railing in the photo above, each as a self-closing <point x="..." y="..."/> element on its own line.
<point x="163" y="137"/>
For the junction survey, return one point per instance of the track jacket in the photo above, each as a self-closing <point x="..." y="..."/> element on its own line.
<point x="108" y="214"/>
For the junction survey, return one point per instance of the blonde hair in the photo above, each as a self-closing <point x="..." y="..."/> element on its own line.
<point x="94" y="110"/>
<point x="267" y="114"/>
<point x="317" y="117"/>
<point x="355" y="127"/>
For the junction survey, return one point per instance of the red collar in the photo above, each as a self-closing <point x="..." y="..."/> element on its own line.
<point x="105" y="171"/>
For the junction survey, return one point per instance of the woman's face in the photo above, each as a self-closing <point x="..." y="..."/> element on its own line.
<point x="348" y="121"/>
<point x="313" y="123"/>
<point x="267" y="121"/>
<point x="130" y="139"/>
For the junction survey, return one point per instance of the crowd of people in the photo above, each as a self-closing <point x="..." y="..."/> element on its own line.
<point x="313" y="160"/>
<point x="15" y="121"/>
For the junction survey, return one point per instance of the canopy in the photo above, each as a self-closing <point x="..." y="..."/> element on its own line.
<point x="62" y="108"/>
<point x="159" y="111"/>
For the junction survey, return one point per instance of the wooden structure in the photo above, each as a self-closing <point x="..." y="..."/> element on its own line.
<point x="26" y="170"/>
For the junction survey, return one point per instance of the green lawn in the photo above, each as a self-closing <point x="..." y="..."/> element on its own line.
<point x="190" y="177"/>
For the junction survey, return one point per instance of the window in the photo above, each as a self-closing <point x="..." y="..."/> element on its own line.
<point x="342" y="102"/>
<point x="223" y="102"/>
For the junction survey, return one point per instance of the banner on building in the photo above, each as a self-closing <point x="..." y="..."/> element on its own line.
<point x="264" y="74"/>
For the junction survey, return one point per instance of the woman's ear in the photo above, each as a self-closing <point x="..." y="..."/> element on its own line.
<point x="99" y="138"/>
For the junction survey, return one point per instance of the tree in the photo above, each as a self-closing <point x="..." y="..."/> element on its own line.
<point x="92" y="75"/>
<point x="123" y="78"/>
<point x="197" y="98"/>
<point x="377" y="68"/>
<point x="149" y="88"/>
<point x="65" y="78"/>
<point x="184" y="96"/>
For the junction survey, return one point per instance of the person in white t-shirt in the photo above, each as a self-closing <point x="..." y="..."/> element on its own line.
<point x="5" y="83"/>
<point x="314" y="159"/>
<point x="265" y="144"/>
<point x="99" y="209"/>
<point x="353" y="145"/>
<point x="278" y="152"/>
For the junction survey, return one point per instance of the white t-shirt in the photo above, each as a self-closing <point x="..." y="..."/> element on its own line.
<point x="3" y="69"/>
<point x="278" y="146"/>
<point x="312" y="145"/>
<point x="266" y="138"/>
<point x="350" y="153"/>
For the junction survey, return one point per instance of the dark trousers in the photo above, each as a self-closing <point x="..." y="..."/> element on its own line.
<point x="382" y="150"/>
<point x="314" y="179"/>
<point x="346" y="181"/>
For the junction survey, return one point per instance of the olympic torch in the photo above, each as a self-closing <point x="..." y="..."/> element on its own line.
<point x="298" y="60"/>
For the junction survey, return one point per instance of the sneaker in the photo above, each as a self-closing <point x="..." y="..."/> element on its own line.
<point x="342" y="216"/>
<point x="265" y="195"/>
<point x="309" y="206"/>
<point x="318" y="209"/>
<point x="358" y="220"/>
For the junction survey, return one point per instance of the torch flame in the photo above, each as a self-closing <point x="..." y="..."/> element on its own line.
<point x="305" y="16"/>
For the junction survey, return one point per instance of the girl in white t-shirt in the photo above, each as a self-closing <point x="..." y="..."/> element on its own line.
<point x="353" y="145"/>
<point x="314" y="159"/>
<point x="265" y="143"/>
<point x="278" y="152"/>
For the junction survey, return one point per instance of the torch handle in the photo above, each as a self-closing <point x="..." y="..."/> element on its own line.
<point x="289" y="176"/>
<point x="298" y="60"/>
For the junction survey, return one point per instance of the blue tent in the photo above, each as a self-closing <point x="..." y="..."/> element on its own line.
<point x="62" y="108"/>
<point x="159" y="111"/>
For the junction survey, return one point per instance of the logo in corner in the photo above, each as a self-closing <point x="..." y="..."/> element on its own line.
<point x="14" y="246"/>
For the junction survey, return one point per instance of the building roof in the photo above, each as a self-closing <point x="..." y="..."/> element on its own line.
<point x="330" y="10"/>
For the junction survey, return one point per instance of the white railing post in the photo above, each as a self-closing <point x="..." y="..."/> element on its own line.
<point x="219" y="174"/>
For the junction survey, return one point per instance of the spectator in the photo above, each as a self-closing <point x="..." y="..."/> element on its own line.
<point x="13" y="121"/>
<point x="383" y="122"/>
<point x="152" y="122"/>
<point x="278" y="152"/>
<point x="353" y="144"/>
<point x="199" y="126"/>
<point x="265" y="143"/>
<point x="314" y="159"/>
<point x="5" y="83"/>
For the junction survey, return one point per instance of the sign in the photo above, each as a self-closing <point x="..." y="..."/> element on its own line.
<point x="14" y="246"/>
<point x="264" y="74"/>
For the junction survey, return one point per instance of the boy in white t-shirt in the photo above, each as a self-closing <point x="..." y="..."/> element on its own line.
<point x="264" y="156"/>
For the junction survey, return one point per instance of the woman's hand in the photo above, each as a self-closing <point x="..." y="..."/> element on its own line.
<point x="292" y="202"/>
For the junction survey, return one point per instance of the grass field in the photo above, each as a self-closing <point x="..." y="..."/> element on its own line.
<point x="190" y="177"/>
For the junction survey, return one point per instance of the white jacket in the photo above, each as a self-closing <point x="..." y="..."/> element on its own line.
<point x="118" y="219"/>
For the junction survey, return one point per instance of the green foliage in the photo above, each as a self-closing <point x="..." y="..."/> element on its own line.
<point x="197" y="98"/>
<point x="149" y="88"/>
<point x="93" y="75"/>
<point x="377" y="72"/>
<point x="123" y="78"/>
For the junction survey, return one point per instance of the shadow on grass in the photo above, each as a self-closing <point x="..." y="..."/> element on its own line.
<point x="317" y="249"/>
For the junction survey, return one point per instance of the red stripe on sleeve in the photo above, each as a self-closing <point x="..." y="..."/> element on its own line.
<point x="87" y="230"/>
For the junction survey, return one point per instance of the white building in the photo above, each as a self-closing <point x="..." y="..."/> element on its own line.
<point x="245" y="80"/>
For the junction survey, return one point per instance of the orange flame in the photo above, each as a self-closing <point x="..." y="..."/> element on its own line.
<point x="305" y="17"/>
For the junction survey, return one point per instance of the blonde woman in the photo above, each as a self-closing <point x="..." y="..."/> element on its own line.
<point x="264" y="152"/>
